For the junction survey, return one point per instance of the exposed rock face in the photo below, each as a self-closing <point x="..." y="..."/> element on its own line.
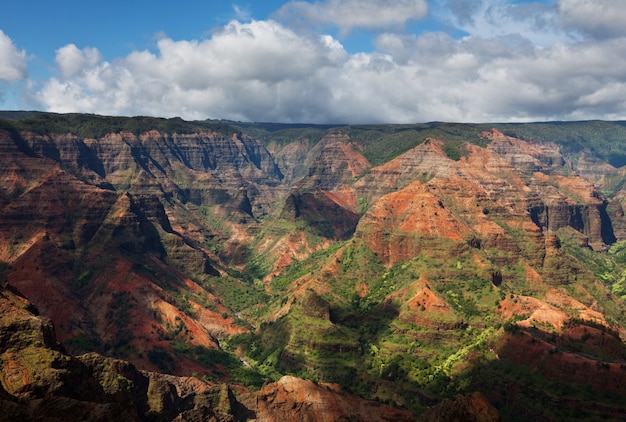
<point x="466" y="196"/>
<point x="615" y="210"/>
<point x="294" y="399"/>
<point x="593" y="169"/>
<point x="423" y="306"/>
<point x="322" y="213"/>
<point x="68" y="241"/>
<point x="470" y="408"/>
<point x="291" y="160"/>
<point x="126" y="161"/>
<point x="40" y="382"/>
<point x="584" y="210"/>
<point x="420" y="163"/>
<point x="523" y="155"/>
<point x="395" y="225"/>
<point x="332" y="163"/>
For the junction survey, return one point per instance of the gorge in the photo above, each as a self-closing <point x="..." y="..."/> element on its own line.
<point x="162" y="269"/>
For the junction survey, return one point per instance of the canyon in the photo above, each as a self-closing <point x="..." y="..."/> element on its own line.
<point x="172" y="270"/>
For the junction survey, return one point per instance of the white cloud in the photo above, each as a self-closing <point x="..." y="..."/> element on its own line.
<point x="259" y="70"/>
<point x="474" y="79"/>
<point x="13" y="62"/>
<point x="598" y="18"/>
<point x="72" y="61"/>
<point x="265" y="71"/>
<point x="350" y="14"/>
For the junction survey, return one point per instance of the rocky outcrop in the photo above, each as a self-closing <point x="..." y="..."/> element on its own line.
<point x="470" y="408"/>
<point x="320" y="212"/>
<point x="293" y="399"/>
<point x="66" y="242"/>
<point x="523" y="155"/>
<point x="616" y="210"/>
<point x="156" y="153"/>
<point x="574" y="202"/>
<point x="39" y="382"/>
<point x="291" y="160"/>
<point x="424" y="162"/>
<point x="593" y="169"/>
<point x="332" y="163"/>
<point x="400" y="224"/>
<point x="509" y="179"/>
<point x="169" y="163"/>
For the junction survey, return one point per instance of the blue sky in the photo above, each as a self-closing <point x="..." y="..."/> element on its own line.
<point x="348" y="61"/>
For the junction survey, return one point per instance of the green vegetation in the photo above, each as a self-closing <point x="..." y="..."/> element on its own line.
<point x="383" y="142"/>
<point x="380" y="142"/>
<point x="224" y="366"/>
<point x="94" y="126"/>
<point x="161" y="359"/>
<point x="282" y="134"/>
<point x="364" y="335"/>
<point x="609" y="268"/>
<point x="370" y="330"/>
<point x="264" y="349"/>
<point x="81" y="343"/>
<point x="236" y="294"/>
<point x="83" y="278"/>
<point x="604" y="140"/>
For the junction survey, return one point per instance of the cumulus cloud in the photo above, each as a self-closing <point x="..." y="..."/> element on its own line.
<point x="266" y="71"/>
<point x="597" y="18"/>
<point x="258" y="70"/>
<point x="350" y="14"/>
<point x="13" y="62"/>
<point x="72" y="61"/>
<point x="475" y="79"/>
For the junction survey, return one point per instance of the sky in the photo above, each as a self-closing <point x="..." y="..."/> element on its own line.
<point x="317" y="61"/>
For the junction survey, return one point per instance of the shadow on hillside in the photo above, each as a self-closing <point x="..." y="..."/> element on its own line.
<point x="537" y="378"/>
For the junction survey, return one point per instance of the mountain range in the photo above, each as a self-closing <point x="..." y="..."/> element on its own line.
<point x="162" y="269"/>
